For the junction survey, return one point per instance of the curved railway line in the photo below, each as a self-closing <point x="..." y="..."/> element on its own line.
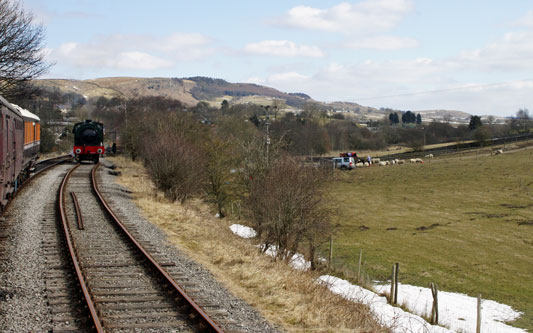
<point x="80" y="259"/>
<point x="123" y="286"/>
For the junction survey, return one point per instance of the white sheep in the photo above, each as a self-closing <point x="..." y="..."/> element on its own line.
<point x="367" y="164"/>
<point x="382" y="163"/>
<point x="359" y="165"/>
<point x="498" y="152"/>
<point x="401" y="161"/>
<point x="419" y="160"/>
<point x="413" y="160"/>
<point x="376" y="160"/>
<point x="429" y="156"/>
<point x="387" y="162"/>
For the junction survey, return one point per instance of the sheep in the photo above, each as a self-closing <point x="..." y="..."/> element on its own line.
<point x="413" y="160"/>
<point x="401" y="161"/>
<point x="359" y="165"/>
<point x="387" y="162"/>
<point x="419" y="160"/>
<point x="498" y="152"/>
<point x="367" y="164"/>
<point x="429" y="156"/>
<point x="382" y="163"/>
<point x="376" y="160"/>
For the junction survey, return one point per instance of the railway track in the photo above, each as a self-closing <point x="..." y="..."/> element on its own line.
<point x="125" y="285"/>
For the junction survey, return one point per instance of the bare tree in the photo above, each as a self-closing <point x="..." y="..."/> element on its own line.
<point x="21" y="49"/>
<point x="220" y="159"/>
<point x="287" y="207"/>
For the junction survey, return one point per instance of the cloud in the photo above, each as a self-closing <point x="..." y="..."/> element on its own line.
<point x="287" y="77"/>
<point x="512" y="52"/>
<point x="363" y="17"/>
<point x="132" y="52"/>
<point x="283" y="48"/>
<point x="526" y="20"/>
<point x="382" y="43"/>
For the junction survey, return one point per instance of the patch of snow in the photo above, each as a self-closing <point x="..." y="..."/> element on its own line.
<point x="243" y="231"/>
<point x="297" y="261"/>
<point x="456" y="311"/>
<point x="388" y="315"/>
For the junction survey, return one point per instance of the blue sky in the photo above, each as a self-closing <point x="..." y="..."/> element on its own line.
<point x="474" y="56"/>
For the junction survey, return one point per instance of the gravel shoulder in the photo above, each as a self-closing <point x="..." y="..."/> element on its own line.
<point x="23" y="306"/>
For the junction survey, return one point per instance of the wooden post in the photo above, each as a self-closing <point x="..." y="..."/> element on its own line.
<point x="435" y="307"/>
<point x="359" y="266"/>
<point x="478" y="323"/>
<point x="396" y="271"/>
<point x="330" y="250"/>
<point x="392" y="285"/>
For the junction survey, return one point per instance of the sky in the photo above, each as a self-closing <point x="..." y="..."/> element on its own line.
<point x="474" y="56"/>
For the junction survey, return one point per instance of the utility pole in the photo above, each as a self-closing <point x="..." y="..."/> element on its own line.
<point x="267" y="137"/>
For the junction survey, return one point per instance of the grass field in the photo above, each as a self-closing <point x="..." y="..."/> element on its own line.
<point x="465" y="223"/>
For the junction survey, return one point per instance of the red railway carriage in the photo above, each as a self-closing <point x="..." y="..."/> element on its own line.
<point x="19" y="147"/>
<point x="32" y="137"/>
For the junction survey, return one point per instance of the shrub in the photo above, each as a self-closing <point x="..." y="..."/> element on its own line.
<point x="174" y="164"/>
<point x="286" y="206"/>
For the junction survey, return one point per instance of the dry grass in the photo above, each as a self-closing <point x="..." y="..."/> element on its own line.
<point x="289" y="298"/>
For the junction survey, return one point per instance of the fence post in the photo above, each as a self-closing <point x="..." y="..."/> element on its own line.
<point x="478" y="323"/>
<point x="396" y="271"/>
<point x="330" y="250"/>
<point x="359" y="266"/>
<point x="435" y="307"/>
<point x="392" y="285"/>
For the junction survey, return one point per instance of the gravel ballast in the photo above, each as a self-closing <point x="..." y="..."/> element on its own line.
<point x="23" y="305"/>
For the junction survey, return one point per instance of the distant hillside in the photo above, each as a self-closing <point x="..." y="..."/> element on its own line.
<point x="188" y="90"/>
<point x="192" y="90"/>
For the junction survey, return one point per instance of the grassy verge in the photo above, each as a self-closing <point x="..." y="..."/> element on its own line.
<point x="465" y="223"/>
<point x="291" y="299"/>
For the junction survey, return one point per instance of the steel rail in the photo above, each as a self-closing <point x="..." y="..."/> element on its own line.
<point x="73" y="252"/>
<point x="208" y="323"/>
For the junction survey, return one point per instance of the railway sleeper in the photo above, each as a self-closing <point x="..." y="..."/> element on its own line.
<point x="125" y="292"/>
<point x="132" y="299"/>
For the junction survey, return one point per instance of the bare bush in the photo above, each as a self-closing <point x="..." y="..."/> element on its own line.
<point x="286" y="206"/>
<point x="174" y="164"/>
<point x="174" y="158"/>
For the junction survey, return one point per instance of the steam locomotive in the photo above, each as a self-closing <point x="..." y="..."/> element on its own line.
<point x="88" y="140"/>
<point x="20" y="138"/>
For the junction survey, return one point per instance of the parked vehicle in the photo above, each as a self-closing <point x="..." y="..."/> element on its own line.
<point x="344" y="163"/>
